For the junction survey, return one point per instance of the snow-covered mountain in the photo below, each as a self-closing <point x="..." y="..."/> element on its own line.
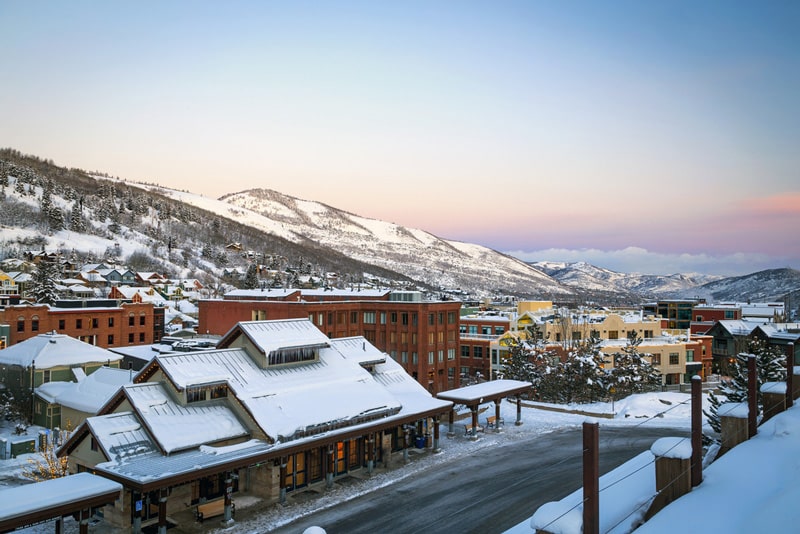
<point x="582" y="275"/>
<point x="764" y="286"/>
<point x="415" y="253"/>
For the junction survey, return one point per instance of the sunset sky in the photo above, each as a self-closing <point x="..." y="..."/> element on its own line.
<point x="639" y="136"/>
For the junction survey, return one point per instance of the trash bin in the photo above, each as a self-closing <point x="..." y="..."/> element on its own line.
<point x="420" y="442"/>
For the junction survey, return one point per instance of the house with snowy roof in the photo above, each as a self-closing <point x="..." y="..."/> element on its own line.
<point x="49" y="357"/>
<point x="276" y="407"/>
<point x="66" y="404"/>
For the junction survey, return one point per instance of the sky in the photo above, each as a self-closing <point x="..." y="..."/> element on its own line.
<point x="655" y="137"/>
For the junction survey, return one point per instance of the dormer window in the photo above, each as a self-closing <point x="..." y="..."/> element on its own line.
<point x="293" y="355"/>
<point x="206" y="392"/>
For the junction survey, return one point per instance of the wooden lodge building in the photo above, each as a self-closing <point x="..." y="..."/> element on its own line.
<point x="276" y="407"/>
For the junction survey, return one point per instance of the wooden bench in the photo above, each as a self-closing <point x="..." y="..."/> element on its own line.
<point x="468" y="429"/>
<point x="493" y="422"/>
<point x="213" y="509"/>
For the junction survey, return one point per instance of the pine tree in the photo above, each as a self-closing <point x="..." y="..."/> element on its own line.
<point x="582" y="377"/>
<point x="528" y="359"/>
<point x="632" y="373"/>
<point x="770" y="367"/>
<point x="251" y="278"/>
<point x="43" y="285"/>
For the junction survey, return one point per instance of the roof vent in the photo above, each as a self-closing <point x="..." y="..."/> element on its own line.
<point x="52" y="340"/>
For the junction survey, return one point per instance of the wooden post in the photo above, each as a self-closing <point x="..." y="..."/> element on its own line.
<point x="591" y="479"/>
<point x="162" y="511"/>
<point x="370" y="453"/>
<point x="450" y="421"/>
<point x="84" y="525"/>
<point x="697" y="430"/>
<point x="406" y="443"/>
<point x="497" y="415"/>
<point x="59" y="525"/>
<point x="474" y="433"/>
<point x="137" y="513"/>
<point x="752" y="397"/>
<point x="519" y="411"/>
<point x="436" y="434"/>
<point x="790" y="376"/>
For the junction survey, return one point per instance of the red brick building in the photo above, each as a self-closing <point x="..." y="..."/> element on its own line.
<point x="477" y="333"/>
<point x="422" y="336"/>
<point x="103" y="323"/>
<point x="704" y="316"/>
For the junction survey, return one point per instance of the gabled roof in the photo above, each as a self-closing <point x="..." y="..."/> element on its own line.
<point x="121" y="435"/>
<point x="734" y="328"/>
<point x="54" y="350"/>
<point x="174" y="426"/>
<point x="267" y="336"/>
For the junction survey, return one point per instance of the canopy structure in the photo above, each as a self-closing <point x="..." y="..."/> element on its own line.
<point x="475" y="395"/>
<point x="53" y="499"/>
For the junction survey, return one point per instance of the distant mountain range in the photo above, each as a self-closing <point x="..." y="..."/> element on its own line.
<point x="187" y="233"/>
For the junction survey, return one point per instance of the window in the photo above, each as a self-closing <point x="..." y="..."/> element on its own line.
<point x="20" y="324"/>
<point x="404" y="318"/>
<point x="441" y="356"/>
<point x="110" y="339"/>
<point x="689" y="355"/>
<point x="35" y="323"/>
<point x="141" y="320"/>
<point x="393" y="318"/>
<point x="130" y="337"/>
<point x="320" y="317"/>
<point x="110" y="321"/>
<point x="486" y="330"/>
<point x="353" y="317"/>
<point x="673" y="358"/>
<point x="451" y="317"/>
<point x="131" y="320"/>
<point x="93" y="444"/>
<point x="141" y="337"/>
<point x="462" y="329"/>
<point x="613" y="334"/>
<point x="95" y="322"/>
<point x="383" y="317"/>
<point x="404" y="338"/>
<point x="477" y="352"/>
<point x="451" y="372"/>
<point x="576" y="335"/>
<point x="648" y="334"/>
<point x="255" y="315"/>
<point x="595" y="334"/>
<point x="414" y="319"/>
<point x="430" y="338"/>
<point x="393" y="354"/>
<point x="369" y="317"/>
<point x="195" y="394"/>
<point x="431" y="319"/>
<point x="699" y="318"/>
<point x="499" y="330"/>
<point x="465" y="351"/>
<point x="473" y="329"/>
<point x="404" y="357"/>
<point x="414" y="358"/>
<point x="655" y="359"/>
<point x="46" y="376"/>
<point x="441" y="317"/>
<point x="729" y="314"/>
<point x="62" y="324"/>
<point x="392" y="337"/>
<point x="430" y="357"/>
<point x="451" y="354"/>
<point x="440" y="337"/>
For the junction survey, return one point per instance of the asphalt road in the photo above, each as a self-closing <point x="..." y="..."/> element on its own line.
<point x="484" y="493"/>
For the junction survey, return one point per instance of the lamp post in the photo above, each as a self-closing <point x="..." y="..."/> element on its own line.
<point x="33" y="376"/>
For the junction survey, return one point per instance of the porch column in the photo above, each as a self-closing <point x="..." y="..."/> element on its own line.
<point x="137" y="513"/>
<point x="282" y="481"/>
<point x="497" y="415"/>
<point x="84" y="525"/>
<point x="162" y="511"/>
<point x="450" y="421"/>
<point x="370" y="453"/>
<point x="329" y="470"/>
<point x="519" y="411"/>
<point x="474" y="432"/>
<point x="227" y="517"/>
<point x="59" y="525"/>
<point x="406" y="440"/>
<point x="436" y="434"/>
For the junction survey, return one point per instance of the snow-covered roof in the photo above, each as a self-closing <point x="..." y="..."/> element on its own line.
<point x="20" y="501"/>
<point x="54" y="350"/>
<point x="738" y="328"/>
<point x="121" y="435"/>
<point x="89" y="393"/>
<point x="272" y="293"/>
<point x="174" y="426"/>
<point x="477" y="392"/>
<point x="268" y="336"/>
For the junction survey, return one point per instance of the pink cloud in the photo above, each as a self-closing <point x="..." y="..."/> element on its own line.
<point x="783" y="204"/>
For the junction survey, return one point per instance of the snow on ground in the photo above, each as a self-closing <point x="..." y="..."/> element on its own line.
<point x="661" y="409"/>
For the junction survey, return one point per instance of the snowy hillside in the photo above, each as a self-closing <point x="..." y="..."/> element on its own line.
<point x="589" y="277"/>
<point x="415" y="253"/>
<point x="764" y="286"/>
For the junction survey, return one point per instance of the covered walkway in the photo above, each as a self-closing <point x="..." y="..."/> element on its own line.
<point x="75" y="495"/>
<point x="475" y="395"/>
